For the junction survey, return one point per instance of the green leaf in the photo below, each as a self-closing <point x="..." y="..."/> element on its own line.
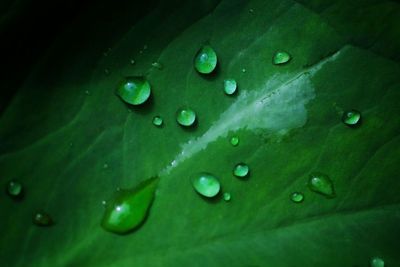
<point x="70" y="149"/>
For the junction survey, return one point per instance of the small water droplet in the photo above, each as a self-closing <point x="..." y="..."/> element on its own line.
<point x="87" y="92"/>
<point x="281" y="57"/>
<point x="227" y="196"/>
<point x="134" y="90"/>
<point x="127" y="209"/>
<point x="243" y="70"/>
<point x="206" y="184"/>
<point x="377" y="262"/>
<point x="157" y="65"/>
<point x="132" y="61"/>
<point x="185" y="116"/>
<point x="71" y="144"/>
<point x="351" y="117"/>
<point x="230" y="86"/>
<point x="141" y="52"/>
<point x="234" y="141"/>
<point x="297" y="197"/>
<point x="241" y="170"/>
<point x="157" y="121"/>
<point x="106" y="71"/>
<point x="104" y="203"/>
<point x="14" y="189"/>
<point x="251" y="10"/>
<point x="321" y="183"/>
<point x="41" y="218"/>
<point x="105" y="166"/>
<point x="145" y="47"/>
<point x="205" y="60"/>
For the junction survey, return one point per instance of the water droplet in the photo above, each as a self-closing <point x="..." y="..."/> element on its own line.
<point x="241" y="170"/>
<point x="145" y="47"/>
<point x="227" y="196"/>
<point x="205" y="60"/>
<point x="297" y="197"/>
<point x="87" y="92"/>
<point x="14" y="189"/>
<point x="351" y="117"/>
<point x="41" y="218"/>
<point x="243" y="70"/>
<point x="157" y="121"/>
<point x="321" y="183"/>
<point x="104" y="203"/>
<point x="106" y="71"/>
<point x="132" y="61"/>
<point x="185" y="116"/>
<point x="206" y="184"/>
<point x="234" y="141"/>
<point x="230" y="86"/>
<point x="251" y="10"/>
<point x="127" y="209"/>
<point x="281" y="57"/>
<point x="377" y="262"/>
<point x="134" y="90"/>
<point x="105" y="166"/>
<point x="157" y="65"/>
<point x="141" y="52"/>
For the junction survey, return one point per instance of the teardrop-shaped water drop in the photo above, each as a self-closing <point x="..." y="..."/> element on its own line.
<point x="205" y="60"/>
<point x="157" y="65"/>
<point x="127" y="209"/>
<point x="241" y="170"/>
<point x="206" y="184"/>
<point x="281" y="57"/>
<point x="134" y="90"/>
<point x="321" y="183"/>
<point x="41" y="218"/>
<point x="14" y="189"/>
<point x="227" y="196"/>
<point x="297" y="197"/>
<point x="157" y="121"/>
<point x="234" y="141"/>
<point x="377" y="262"/>
<point x="185" y="116"/>
<point x="230" y="86"/>
<point x="351" y="117"/>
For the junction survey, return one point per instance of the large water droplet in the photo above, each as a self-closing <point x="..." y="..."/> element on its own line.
<point x="227" y="196"/>
<point x="14" y="189"/>
<point x="230" y="86"/>
<point x="41" y="218"/>
<point x="206" y="184"/>
<point x="281" y="57"/>
<point x="157" y="121"/>
<point x="205" y="60"/>
<point x="157" y="65"/>
<point x="297" y="197"/>
<point x="234" y="141"/>
<point x="351" y="117"/>
<point x="321" y="183"/>
<point x="134" y="90"/>
<point x="185" y="116"/>
<point x="377" y="262"/>
<point x="241" y="170"/>
<point x="127" y="209"/>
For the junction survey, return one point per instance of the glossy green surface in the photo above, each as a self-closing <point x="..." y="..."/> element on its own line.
<point x="344" y="52"/>
<point x="206" y="184"/>
<point x="321" y="183"/>
<point x="241" y="170"/>
<point x="185" y="116"/>
<point x="127" y="209"/>
<point x="134" y="90"/>
<point x="205" y="60"/>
